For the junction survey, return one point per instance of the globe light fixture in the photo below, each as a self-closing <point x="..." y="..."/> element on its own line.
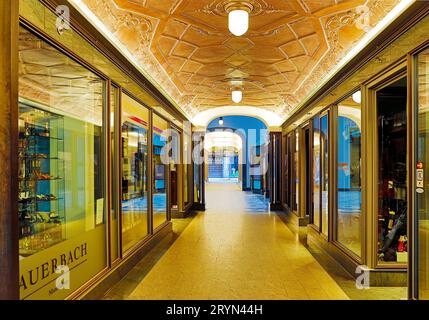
<point x="221" y="121"/>
<point x="357" y="96"/>
<point x="237" y="96"/>
<point x="238" y="22"/>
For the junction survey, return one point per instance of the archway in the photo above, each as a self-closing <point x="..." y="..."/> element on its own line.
<point x="254" y="134"/>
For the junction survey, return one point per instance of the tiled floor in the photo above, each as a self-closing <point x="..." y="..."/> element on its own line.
<point x="236" y="249"/>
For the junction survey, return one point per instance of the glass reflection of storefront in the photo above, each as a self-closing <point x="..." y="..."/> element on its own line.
<point x="420" y="192"/>
<point x="319" y="218"/>
<point x="349" y="202"/>
<point x="62" y="220"/>
<point x="115" y="174"/>
<point x="134" y="157"/>
<point x="160" y="162"/>
<point x="174" y="169"/>
<point x="187" y="168"/>
<point x="315" y="216"/>
<point x="324" y="174"/>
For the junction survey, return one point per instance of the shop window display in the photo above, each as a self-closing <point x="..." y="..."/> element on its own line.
<point x="114" y="171"/>
<point x="187" y="160"/>
<point x="160" y="140"/>
<point x="134" y="155"/>
<point x="174" y="169"/>
<point x="324" y="143"/>
<point x="392" y="172"/>
<point x="41" y="179"/>
<point x="61" y="170"/>
<point x="316" y="172"/>
<point x="296" y="171"/>
<point x="422" y="178"/>
<point x="349" y="187"/>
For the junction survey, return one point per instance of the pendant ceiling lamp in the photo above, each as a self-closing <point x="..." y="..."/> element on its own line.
<point x="357" y="97"/>
<point x="238" y="19"/>
<point x="237" y="96"/>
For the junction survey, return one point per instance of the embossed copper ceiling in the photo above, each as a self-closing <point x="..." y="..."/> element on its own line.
<point x="291" y="45"/>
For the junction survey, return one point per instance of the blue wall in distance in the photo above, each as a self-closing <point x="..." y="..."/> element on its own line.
<point x="244" y="123"/>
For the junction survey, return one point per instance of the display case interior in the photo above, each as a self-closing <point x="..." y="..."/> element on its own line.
<point x="392" y="176"/>
<point x="41" y="179"/>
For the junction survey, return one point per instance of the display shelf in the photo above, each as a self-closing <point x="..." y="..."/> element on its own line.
<point x="41" y="183"/>
<point x="44" y="137"/>
<point x="392" y="198"/>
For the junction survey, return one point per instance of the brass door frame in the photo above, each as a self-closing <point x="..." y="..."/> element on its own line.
<point x="392" y="74"/>
<point x="303" y="155"/>
<point x="311" y="220"/>
<point x="413" y="232"/>
<point x="178" y="166"/>
<point x="322" y="114"/>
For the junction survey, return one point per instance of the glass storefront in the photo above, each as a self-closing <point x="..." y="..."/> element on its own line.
<point x="187" y="174"/>
<point x="320" y="174"/>
<point x="422" y="179"/>
<point x="296" y="171"/>
<point x="324" y="185"/>
<point x="174" y="169"/>
<point x="160" y="170"/>
<point x="349" y="199"/>
<point x="134" y="157"/>
<point x="83" y="160"/>
<point x="291" y="171"/>
<point x="114" y="173"/>
<point x="392" y="172"/>
<point x="316" y="172"/>
<point x="62" y="224"/>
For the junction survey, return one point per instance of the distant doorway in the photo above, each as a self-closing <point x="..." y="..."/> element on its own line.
<point x="223" y="165"/>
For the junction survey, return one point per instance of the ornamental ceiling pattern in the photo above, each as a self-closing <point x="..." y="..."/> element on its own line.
<point x="290" y="46"/>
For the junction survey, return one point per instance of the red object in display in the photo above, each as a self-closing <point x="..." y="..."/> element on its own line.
<point x="419" y="165"/>
<point x="401" y="245"/>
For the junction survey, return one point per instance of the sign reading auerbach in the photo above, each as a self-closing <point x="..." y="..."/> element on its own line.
<point x="53" y="272"/>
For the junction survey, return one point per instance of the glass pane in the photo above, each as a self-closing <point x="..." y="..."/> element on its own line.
<point x="160" y="139"/>
<point x="324" y="144"/>
<point x="392" y="172"/>
<point x="422" y="179"/>
<point x="296" y="171"/>
<point x="114" y="98"/>
<point x="186" y="161"/>
<point x="61" y="174"/>
<point x="134" y="156"/>
<point x="174" y="169"/>
<point x="349" y="203"/>
<point x="232" y="170"/>
<point x="316" y="171"/>
<point x="289" y="176"/>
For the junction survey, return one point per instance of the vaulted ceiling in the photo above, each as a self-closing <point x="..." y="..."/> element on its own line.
<point x="187" y="49"/>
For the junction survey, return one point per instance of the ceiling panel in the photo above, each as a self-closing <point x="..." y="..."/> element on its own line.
<point x="186" y="47"/>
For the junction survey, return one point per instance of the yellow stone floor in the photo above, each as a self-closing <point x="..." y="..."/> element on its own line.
<point x="228" y="252"/>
